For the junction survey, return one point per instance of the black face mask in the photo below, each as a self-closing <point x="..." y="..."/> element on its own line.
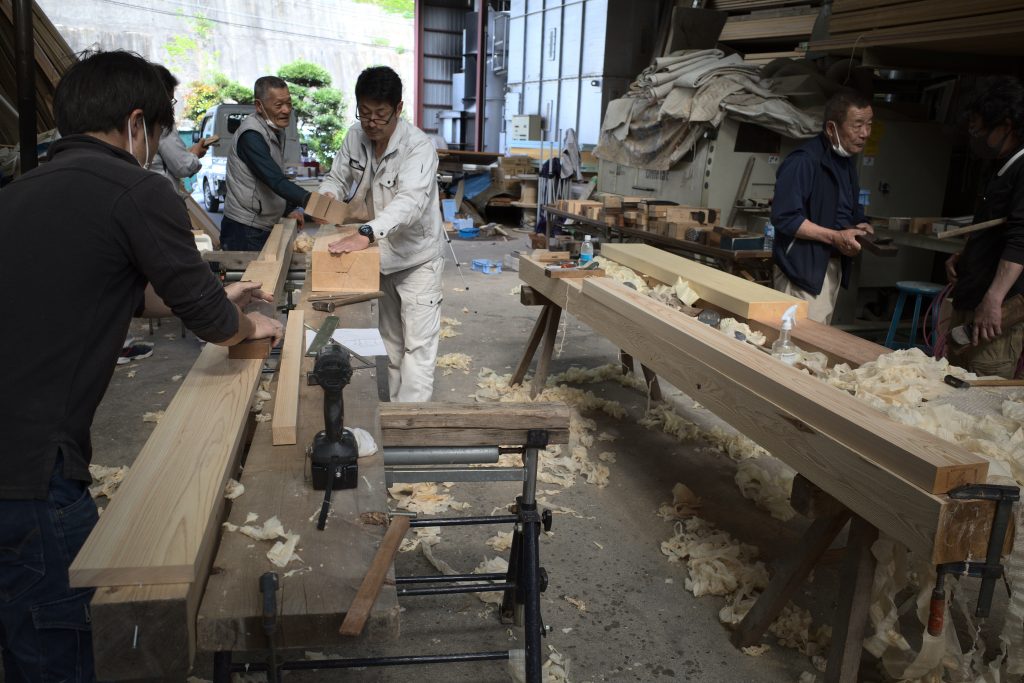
<point x="981" y="149"/>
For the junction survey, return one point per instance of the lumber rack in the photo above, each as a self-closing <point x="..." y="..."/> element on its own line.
<point x="522" y="584"/>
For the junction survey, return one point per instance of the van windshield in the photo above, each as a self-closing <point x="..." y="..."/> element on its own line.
<point x="235" y="120"/>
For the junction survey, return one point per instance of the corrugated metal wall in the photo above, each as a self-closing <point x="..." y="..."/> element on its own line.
<point x="441" y="43"/>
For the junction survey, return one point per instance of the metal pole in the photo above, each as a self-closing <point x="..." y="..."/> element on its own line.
<point x="25" y="68"/>
<point x="481" y="57"/>
<point x="439" y="455"/>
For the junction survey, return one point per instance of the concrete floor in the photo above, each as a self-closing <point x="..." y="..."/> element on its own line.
<point x="640" y="623"/>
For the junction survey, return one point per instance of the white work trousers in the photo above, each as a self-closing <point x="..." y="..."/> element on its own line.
<point x="820" y="307"/>
<point x="410" y="323"/>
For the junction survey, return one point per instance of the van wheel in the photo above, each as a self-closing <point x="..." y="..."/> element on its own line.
<point x="211" y="200"/>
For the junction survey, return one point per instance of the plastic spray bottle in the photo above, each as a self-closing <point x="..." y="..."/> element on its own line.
<point x="784" y="349"/>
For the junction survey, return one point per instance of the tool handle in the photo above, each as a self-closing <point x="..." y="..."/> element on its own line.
<point x="268" y="587"/>
<point x="936" y="612"/>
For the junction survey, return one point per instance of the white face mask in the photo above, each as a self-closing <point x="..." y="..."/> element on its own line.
<point x="837" y="146"/>
<point x="131" y="144"/>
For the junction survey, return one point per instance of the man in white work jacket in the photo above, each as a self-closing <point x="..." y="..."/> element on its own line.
<point x="392" y="166"/>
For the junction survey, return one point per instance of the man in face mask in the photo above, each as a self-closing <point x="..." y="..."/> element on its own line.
<point x="118" y="243"/>
<point x="989" y="268"/>
<point x="816" y="212"/>
<point x="258" y="191"/>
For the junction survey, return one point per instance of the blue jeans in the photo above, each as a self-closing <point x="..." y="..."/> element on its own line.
<point x="45" y="630"/>
<point x="235" y="236"/>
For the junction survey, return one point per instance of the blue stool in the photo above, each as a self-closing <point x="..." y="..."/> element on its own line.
<point x="919" y="290"/>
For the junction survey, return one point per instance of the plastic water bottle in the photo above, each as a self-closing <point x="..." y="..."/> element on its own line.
<point x="586" y="251"/>
<point x="769" y="236"/>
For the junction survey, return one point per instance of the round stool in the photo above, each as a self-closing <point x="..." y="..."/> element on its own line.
<point x="920" y="291"/>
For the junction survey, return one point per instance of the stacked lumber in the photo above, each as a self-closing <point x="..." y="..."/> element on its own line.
<point x="150" y="553"/>
<point x="53" y="56"/>
<point x="796" y="24"/>
<point x="979" y="26"/>
<point x="892" y="475"/>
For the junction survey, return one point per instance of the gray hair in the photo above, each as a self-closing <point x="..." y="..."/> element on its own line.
<point x="264" y="84"/>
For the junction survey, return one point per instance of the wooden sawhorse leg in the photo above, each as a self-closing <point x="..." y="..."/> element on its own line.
<point x="830" y="517"/>
<point x="626" y="361"/>
<point x="544" y="330"/>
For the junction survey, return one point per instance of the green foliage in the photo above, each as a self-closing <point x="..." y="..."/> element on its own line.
<point x="194" y="47"/>
<point x="400" y="50"/>
<point x="203" y="95"/>
<point x="404" y="8"/>
<point x="380" y="42"/>
<point x="319" y="109"/>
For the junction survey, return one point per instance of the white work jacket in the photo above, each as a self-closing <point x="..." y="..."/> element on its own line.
<point x="403" y="186"/>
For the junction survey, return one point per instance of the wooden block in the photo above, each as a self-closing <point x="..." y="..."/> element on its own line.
<point x="359" y="611"/>
<point x="573" y="273"/>
<point x="323" y="207"/>
<point x="251" y="349"/>
<point x="545" y="256"/>
<point x="612" y="201"/>
<point x="736" y="295"/>
<point x="357" y="271"/>
<point x="286" y="399"/>
<point x="472" y="424"/>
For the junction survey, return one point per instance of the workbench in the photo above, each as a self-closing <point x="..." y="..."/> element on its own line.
<point x="758" y="264"/>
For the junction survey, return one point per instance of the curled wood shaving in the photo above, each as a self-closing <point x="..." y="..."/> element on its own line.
<point x="454" y="361"/>
<point x="685" y="503"/>
<point x="424" y="498"/>
<point x="106" y="480"/>
<point x="233" y="489"/>
<point x="153" y="417"/>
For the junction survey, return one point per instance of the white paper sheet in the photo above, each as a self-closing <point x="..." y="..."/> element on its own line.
<point x="366" y="341"/>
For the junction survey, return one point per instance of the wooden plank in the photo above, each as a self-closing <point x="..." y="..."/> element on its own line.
<point x="916" y="13"/>
<point x="314" y="599"/>
<point x="327" y="209"/>
<point x="286" y="403"/>
<point x="240" y="260"/>
<point x="251" y="349"/>
<point x="936" y="32"/>
<point x="154" y="529"/>
<point x="201" y="221"/>
<point x="925" y="460"/>
<point x="809" y="335"/>
<point x="472" y="424"/>
<point x="359" y="610"/>
<point x="734" y="294"/>
<point x="757" y="28"/>
<point x="916" y="518"/>
<point x="358" y="271"/>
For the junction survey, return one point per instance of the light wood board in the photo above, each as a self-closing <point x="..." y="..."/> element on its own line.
<point x="154" y="529"/>
<point x="357" y="271"/>
<point x="286" y="402"/>
<point x="471" y="424"/>
<point x="735" y="294"/>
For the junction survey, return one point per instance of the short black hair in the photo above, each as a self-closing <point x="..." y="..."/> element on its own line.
<point x="170" y="82"/>
<point x="264" y="84"/>
<point x="839" y="104"/>
<point x="379" y="84"/>
<point x="997" y="98"/>
<point x="98" y="92"/>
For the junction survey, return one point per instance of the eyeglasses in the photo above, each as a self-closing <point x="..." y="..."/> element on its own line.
<point x="369" y="118"/>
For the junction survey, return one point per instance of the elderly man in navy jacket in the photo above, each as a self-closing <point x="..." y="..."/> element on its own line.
<point x="816" y="213"/>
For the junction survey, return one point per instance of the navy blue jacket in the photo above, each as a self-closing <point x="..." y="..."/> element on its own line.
<point x="807" y="187"/>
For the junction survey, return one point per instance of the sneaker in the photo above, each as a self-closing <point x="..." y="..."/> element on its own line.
<point x="135" y="351"/>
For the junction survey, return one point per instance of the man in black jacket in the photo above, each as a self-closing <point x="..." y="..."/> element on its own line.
<point x="989" y="268"/>
<point x="91" y="238"/>
<point x="816" y="210"/>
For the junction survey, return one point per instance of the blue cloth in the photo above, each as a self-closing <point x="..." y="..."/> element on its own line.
<point x="808" y="187"/>
<point x="45" y="630"/>
<point x="235" y="236"/>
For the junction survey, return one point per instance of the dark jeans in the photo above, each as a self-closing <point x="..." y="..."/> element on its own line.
<point x="235" y="236"/>
<point x="45" y="630"/>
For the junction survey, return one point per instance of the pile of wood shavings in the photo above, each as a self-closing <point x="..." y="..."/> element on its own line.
<point x="448" y="326"/>
<point x="106" y="480"/>
<point x="303" y="244"/>
<point x="424" y="498"/>
<point x="233" y="489"/>
<point x="283" y="550"/>
<point x="454" y="361"/>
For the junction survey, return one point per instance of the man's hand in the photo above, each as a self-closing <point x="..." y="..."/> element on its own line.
<point x="298" y="216"/>
<point x="951" y="268"/>
<point x="866" y="227"/>
<point x="265" y="328"/>
<point x="988" y="320"/>
<point x="199" y="149"/>
<point x="242" y="293"/>
<point x="354" y="242"/>
<point x="846" y="241"/>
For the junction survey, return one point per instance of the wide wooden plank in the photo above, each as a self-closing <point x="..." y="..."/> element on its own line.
<point x="752" y="27"/>
<point x="810" y="335"/>
<point x="904" y="511"/>
<point x="317" y="591"/>
<point x="357" y="271"/>
<point x="471" y="424"/>
<point x="286" y="402"/>
<point x="918" y="12"/>
<point x="927" y="461"/>
<point x="735" y="294"/>
<point x="947" y="31"/>
<point x="154" y="529"/>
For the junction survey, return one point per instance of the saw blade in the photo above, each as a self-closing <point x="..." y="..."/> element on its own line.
<point x="323" y="335"/>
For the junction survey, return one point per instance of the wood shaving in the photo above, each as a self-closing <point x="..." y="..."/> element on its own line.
<point x="465" y="310"/>
<point x="556" y="667"/>
<point x="233" y="489"/>
<point x="606" y="456"/>
<point x="515" y="291"/>
<point x="106" y="480"/>
<point x="684" y="292"/>
<point x="730" y="326"/>
<point x="755" y="650"/>
<point x="454" y="361"/>
<point x="251" y="517"/>
<point x="717" y="564"/>
<point x="685" y="503"/>
<point x="303" y="244"/>
<point x="132" y="373"/>
<point x="268" y="531"/>
<point x="501" y="541"/>
<point x="375" y="518"/>
<point x="264" y="417"/>
<point x="575" y="602"/>
<point x="153" y="417"/>
<point x="424" y="498"/>
<point x="175" y="378"/>
<point x="494" y="565"/>
<point x="283" y="551"/>
<point x="430" y="535"/>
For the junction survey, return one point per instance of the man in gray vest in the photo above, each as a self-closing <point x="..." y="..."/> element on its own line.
<point x="258" y="191"/>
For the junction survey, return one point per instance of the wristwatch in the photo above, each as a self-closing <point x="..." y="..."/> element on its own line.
<point x="367" y="232"/>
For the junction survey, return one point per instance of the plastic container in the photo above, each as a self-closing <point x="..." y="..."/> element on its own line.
<point x="784" y="349"/>
<point x="769" y="236"/>
<point x="486" y="266"/>
<point x="586" y="251"/>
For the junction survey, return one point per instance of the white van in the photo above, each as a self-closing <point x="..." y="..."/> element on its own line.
<point x="223" y="120"/>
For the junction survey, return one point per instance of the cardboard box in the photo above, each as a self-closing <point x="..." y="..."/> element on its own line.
<point x="358" y="271"/>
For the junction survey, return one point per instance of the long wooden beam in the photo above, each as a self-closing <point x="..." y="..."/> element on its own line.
<point x="734" y="294"/>
<point x="471" y="424"/>
<point x="286" y="403"/>
<point x="153" y="531"/>
<point x="948" y="530"/>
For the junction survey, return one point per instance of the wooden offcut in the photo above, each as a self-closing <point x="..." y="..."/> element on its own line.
<point x="251" y="349"/>
<point x="154" y="530"/>
<point x="734" y="294"/>
<point x="357" y="271"/>
<point x="286" y="400"/>
<point x="359" y="610"/>
<point x="471" y="424"/>
<point x="326" y="209"/>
